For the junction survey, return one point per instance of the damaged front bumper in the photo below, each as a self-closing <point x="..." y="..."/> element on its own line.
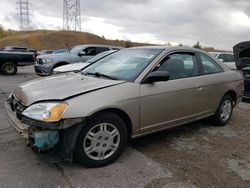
<point x="53" y="143"/>
<point x="22" y="128"/>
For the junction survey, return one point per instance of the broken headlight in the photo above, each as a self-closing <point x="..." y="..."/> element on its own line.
<point x="47" y="111"/>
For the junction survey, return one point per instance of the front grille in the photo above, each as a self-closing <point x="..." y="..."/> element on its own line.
<point x="246" y="74"/>
<point x="39" y="61"/>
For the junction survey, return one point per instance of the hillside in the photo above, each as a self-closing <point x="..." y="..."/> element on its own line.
<point x="46" y="39"/>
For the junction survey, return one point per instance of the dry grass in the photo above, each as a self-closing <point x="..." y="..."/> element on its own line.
<point x="46" y="39"/>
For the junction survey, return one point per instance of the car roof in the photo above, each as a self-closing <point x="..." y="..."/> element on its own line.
<point x="16" y="47"/>
<point x="170" y="48"/>
<point x="96" y="45"/>
<point x="218" y="52"/>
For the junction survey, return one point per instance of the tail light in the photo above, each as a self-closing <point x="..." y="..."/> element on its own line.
<point x="34" y="57"/>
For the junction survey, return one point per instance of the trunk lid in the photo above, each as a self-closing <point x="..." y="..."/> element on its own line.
<point x="242" y="54"/>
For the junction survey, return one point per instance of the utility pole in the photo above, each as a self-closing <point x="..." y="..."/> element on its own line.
<point x="72" y="15"/>
<point x="24" y="8"/>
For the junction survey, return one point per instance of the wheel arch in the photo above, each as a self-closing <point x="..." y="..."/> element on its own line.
<point x="123" y="115"/>
<point x="233" y="94"/>
<point x="9" y="61"/>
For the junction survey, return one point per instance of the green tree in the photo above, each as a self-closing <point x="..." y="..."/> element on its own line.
<point x="2" y="32"/>
<point x="197" y="45"/>
<point x="128" y="44"/>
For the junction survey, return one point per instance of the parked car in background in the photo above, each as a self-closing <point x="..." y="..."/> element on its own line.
<point x="242" y="57"/>
<point x="131" y="93"/>
<point x="9" y="61"/>
<point x="60" y="51"/>
<point x="225" y="57"/>
<point x="77" y="67"/>
<point x="46" y="63"/>
<point x="44" y="52"/>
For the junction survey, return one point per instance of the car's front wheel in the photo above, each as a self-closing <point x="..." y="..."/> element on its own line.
<point x="101" y="141"/>
<point x="224" y="111"/>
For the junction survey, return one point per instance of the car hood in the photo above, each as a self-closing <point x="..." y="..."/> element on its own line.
<point x="242" y="54"/>
<point x="60" y="87"/>
<point x="71" y="67"/>
<point x="54" y="56"/>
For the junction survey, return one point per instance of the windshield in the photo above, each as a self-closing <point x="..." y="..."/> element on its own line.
<point x="125" y="64"/>
<point x="75" y="50"/>
<point x="100" y="56"/>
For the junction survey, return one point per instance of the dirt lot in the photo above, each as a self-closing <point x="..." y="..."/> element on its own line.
<point x="194" y="155"/>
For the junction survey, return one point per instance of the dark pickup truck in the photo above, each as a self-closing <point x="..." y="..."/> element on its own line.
<point x="9" y="61"/>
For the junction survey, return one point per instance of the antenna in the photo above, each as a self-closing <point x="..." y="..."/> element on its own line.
<point x="24" y="9"/>
<point x="72" y="15"/>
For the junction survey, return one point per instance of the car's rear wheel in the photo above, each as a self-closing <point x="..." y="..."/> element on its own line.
<point x="9" y="68"/>
<point x="101" y="141"/>
<point x="224" y="111"/>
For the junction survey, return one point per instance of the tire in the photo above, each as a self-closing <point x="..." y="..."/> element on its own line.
<point x="103" y="148"/>
<point x="224" y="112"/>
<point x="9" y="68"/>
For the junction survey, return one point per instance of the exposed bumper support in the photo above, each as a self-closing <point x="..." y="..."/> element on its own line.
<point x="63" y="150"/>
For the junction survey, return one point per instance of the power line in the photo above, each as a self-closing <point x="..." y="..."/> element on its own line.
<point x="72" y="15"/>
<point x="24" y="9"/>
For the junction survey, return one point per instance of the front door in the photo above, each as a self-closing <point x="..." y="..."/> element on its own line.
<point x="175" y="101"/>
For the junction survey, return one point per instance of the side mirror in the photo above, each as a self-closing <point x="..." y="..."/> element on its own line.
<point x="157" y="76"/>
<point x="82" y="53"/>
<point x="222" y="60"/>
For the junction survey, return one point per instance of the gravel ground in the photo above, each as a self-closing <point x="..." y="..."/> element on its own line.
<point x="193" y="155"/>
<point x="203" y="155"/>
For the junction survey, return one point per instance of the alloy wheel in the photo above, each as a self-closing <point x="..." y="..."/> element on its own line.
<point x="226" y="110"/>
<point x="101" y="141"/>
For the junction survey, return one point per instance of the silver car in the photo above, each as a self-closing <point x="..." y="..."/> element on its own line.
<point x="91" y="115"/>
<point x="77" y="67"/>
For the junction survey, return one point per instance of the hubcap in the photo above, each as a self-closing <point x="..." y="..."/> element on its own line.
<point x="9" y="69"/>
<point x="226" y="110"/>
<point x="101" y="141"/>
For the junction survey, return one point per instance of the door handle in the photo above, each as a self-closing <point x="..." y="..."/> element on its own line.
<point x="199" y="88"/>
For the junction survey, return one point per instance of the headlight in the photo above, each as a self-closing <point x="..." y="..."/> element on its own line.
<point x="48" y="112"/>
<point x="46" y="60"/>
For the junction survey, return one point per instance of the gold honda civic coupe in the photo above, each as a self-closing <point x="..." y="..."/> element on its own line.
<point x="90" y="116"/>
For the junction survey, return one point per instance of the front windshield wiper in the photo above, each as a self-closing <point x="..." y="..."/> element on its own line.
<point x="98" y="74"/>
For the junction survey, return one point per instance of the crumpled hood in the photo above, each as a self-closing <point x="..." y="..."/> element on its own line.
<point x="71" y="67"/>
<point x="59" y="87"/>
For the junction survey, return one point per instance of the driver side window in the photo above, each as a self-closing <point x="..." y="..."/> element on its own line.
<point x="179" y="65"/>
<point x="90" y="51"/>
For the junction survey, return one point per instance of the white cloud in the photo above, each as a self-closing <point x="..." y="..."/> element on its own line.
<point x="240" y="19"/>
<point x="218" y="23"/>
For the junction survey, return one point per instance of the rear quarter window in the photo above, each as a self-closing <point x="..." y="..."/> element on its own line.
<point x="209" y="65"/>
